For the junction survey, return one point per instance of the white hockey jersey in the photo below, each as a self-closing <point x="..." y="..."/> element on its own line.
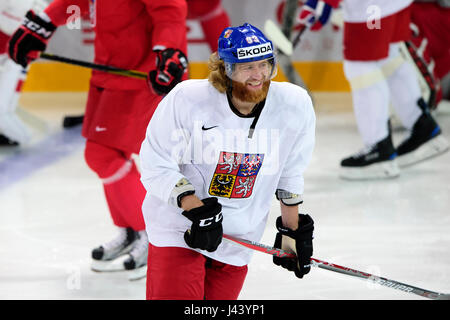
<point x="367" y="10"/>
<point x="195" y="134"/>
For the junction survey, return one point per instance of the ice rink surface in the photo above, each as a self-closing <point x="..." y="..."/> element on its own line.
<point x="52" y="213"/>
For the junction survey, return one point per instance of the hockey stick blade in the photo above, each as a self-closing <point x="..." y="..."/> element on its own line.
<point x="95" y="66"/>
<point x="284" y="56"/>
<point x="72" y="121"/>
<point x="275" y="34"/>
<point x="340" y="269"/>
<point x="278" y="38"/>
<point x="284" y="50"/>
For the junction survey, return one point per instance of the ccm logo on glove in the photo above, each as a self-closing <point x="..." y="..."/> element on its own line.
<point x="206" y="229"/>
<point x="38" y="29"/>
<point x="209" y="221"/>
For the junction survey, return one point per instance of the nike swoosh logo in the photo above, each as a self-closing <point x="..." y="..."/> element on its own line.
<point x="99" y="129"/>
<point x="203" y="127"/>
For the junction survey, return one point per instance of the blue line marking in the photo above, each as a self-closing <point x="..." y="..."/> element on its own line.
<point x="53" y="148"/>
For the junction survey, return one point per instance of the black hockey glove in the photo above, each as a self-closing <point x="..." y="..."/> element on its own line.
<point x="298" y="241"/>
<point x="170" y="67"/>
<point x="29" y="39"/>
<point x="206" y="230"/>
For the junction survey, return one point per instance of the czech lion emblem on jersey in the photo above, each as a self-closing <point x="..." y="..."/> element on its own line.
<point x="235" y="174"/>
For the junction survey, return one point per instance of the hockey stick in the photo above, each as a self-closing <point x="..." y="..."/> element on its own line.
<point x="281" y="39"/>
<point x="343" y="270"/>
<point x="297" y="37"/>
<point x="71" y="121"/>
<point x="426" y="78"/>
<point x="95" y="66"/>
<point x="277" y="36"/>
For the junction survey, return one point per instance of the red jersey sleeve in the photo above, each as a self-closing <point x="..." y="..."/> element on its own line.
<point x="57" y="10"/>
<point x="169" y="22"/>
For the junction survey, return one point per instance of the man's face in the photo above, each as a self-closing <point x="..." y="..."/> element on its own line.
<point x="251" y="80"/>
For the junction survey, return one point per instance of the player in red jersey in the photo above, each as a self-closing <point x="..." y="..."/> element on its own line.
<point x="430" y="21"/>
<point x="145" y="35"/>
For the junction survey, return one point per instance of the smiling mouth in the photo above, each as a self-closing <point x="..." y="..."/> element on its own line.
<point x="255" y="85"/>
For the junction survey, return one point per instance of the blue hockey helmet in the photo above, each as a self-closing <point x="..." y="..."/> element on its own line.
<point x="243" y="44"/>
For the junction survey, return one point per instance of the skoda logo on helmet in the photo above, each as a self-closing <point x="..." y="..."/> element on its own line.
<point x="254" y="51"/>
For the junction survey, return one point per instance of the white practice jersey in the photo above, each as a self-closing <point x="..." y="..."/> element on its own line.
<point x="194" y="133"/>
<point x="368" y="10"/>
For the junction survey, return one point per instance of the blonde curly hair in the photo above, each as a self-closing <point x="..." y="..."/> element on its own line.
<point x="217" y="76"/>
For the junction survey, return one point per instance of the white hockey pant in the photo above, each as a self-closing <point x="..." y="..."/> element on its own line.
<point x="11" y="76"/>
<point x="376" y="84"/>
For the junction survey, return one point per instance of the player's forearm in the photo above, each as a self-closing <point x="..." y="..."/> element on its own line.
<point x="289" y="216"/>
<point x="190" y="202"/>
<point x="169" y="22"/>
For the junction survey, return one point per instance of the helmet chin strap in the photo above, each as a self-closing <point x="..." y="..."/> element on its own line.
<point x="230" y="87"/>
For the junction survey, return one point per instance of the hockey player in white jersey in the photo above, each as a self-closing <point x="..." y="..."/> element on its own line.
<point x="379" y="75"/>
<point x="216" y="152"/>
<point x="12" y="130"/>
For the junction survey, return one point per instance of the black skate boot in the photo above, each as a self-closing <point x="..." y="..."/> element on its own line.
<point x="6" y="142"/>
<point x="136" y="263"/>
<point x="425" y="140"/>
<point x="105" y="256"/>
<point x="375" y="162"/>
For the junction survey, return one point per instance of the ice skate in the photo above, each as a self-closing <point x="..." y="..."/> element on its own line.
<point x="6" y="142"/>
<point x="424" y="142"/>
<point x="136" y="263"/>
<point x="376" y="162"/>
<point x="111" y="255"/>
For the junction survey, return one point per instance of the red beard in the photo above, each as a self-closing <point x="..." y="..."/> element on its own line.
<point x="242" y="93"/>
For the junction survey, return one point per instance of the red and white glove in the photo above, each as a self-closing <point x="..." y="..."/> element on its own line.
<point x="170" y="67"/>
<point x="30" y="39"/>
<point x="316" y="13"/>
